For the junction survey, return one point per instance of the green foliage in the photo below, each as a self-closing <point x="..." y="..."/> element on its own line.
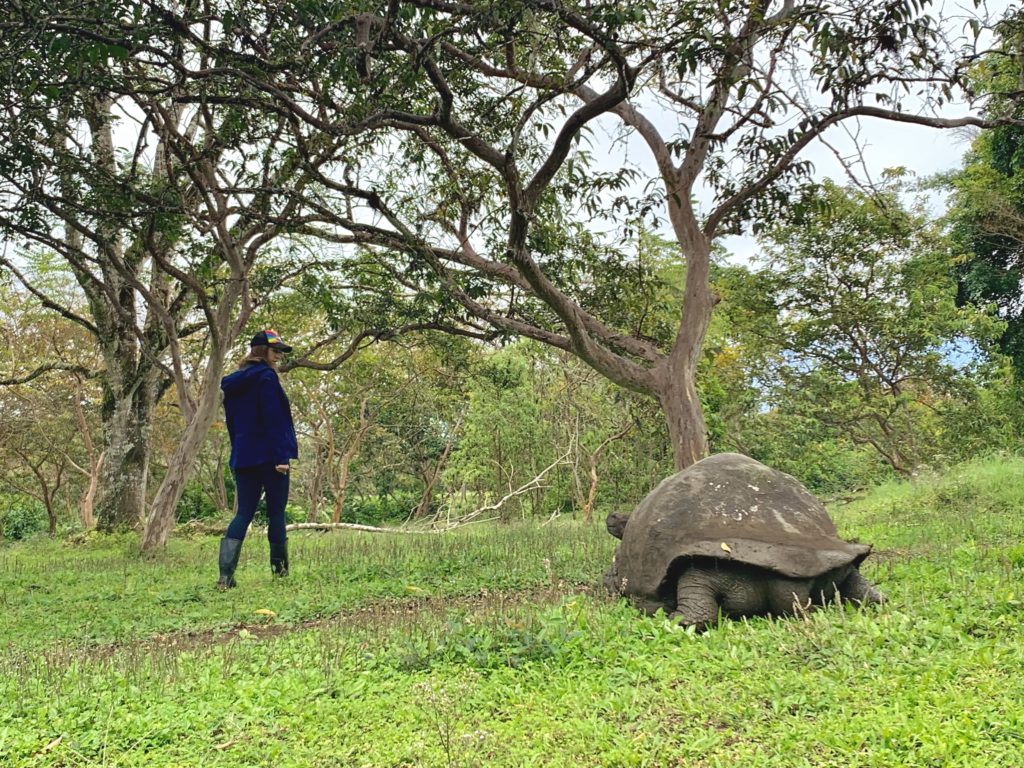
<point x="504" y="441"/>
<point x="986" y="204"/>
<point x="377" y="510"/>
<point x="468" y="643"/>
<point x="862" y="320"/>
<point x="813" y="453"/>
<point x="294" y="513"/>
<point x="196" y="504"/>
<point x="532" y="411"/>
<point x="989" y="418"/>
<point x="987" y="201"/>
<point x="21" y="516"/>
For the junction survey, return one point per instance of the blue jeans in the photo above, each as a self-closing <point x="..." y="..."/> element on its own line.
<point x="250" y="484"/>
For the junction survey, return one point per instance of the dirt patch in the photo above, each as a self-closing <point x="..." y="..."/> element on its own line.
<point x="893" y="555"/>
<point x="379" y="615"/>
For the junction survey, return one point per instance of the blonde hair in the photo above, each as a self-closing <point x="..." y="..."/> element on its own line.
<point x="258" y="354"/>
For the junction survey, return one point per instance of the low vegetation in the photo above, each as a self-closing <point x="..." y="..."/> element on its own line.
<point x="493" y="647"/>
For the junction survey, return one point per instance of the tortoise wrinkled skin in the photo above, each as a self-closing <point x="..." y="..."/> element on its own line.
<point x="731" y="536"/>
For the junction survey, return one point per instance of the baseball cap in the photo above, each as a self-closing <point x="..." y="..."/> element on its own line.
<point x="268" y="338"/>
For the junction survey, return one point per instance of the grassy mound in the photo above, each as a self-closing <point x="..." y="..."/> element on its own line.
<point x="487" y="648"/>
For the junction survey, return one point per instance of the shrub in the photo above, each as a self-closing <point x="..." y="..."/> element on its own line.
<point x="374" y="510"/>
<point x="196" y="504"/>
<point x="21" y="517"/>
<point x="294" y="513"/>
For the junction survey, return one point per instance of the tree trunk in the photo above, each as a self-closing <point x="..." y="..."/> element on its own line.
<point x="685" y="419"/>
<point x="595" y="457"/>
<point x="51" y="513"/>
<point x="316" y="485"/>
<point x="127" y="400"/>
<point x="676" y="380"/>
<point x="346" y="460"/>
<point x="588" y="504"/>
<point x="125" y="470"/>
<point x="47" y="495"/>
<point x="163" y="512"/>
<point x="323" y="455"/>
<point x="341" y="485"/>
<point x="429" y="482"/>
<point x="433" y="472"/>
<point x="220" y="488"/>
<point x="94" y="461"/>
<point x="88" y="503"/>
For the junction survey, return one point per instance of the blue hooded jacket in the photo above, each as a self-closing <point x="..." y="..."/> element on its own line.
<point x="259" y="417"/>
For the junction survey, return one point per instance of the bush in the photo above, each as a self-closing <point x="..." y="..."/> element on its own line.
<point x="374" y="510"/>
<point x="294" y="513"/>
<point x="21" y="517"/>
<point x="195" y="504"/>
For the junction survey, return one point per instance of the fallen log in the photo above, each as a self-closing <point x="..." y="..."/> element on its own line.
<point x="355" y="527"/>
<point x="195" y="527"/>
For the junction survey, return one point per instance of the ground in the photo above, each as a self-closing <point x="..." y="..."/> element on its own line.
<point x="492" y="646"/>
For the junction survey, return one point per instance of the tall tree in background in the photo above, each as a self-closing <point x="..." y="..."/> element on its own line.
<point x="760" y="83"/>
<point x="869" y="339"/>
<point x="47" y="445"/>
<point x="60" y="193"/>
<point x="987" y="206"/>
<point x="167" y="206"/>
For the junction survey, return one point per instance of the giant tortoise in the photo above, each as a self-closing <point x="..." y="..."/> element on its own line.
<point x="730" y="535"/>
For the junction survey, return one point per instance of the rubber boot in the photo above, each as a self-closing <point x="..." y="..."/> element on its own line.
<point x="279" y="558"/>
<point x="228" y="561"/>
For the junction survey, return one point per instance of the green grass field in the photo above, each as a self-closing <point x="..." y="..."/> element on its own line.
<point x="492" y="646"/>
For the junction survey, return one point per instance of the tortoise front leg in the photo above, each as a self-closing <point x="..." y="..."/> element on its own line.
<point x="858" y="589"/>
<point x="697" y="598"/>
<point x="787" y="597"/>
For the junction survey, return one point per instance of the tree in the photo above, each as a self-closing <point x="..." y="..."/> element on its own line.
<point x="173" y="247"/>
<point x="869" y="336"/>
<point x="395" y="405"/>
<point x="63" y="193"/>
<point x="986" y="212"/>
<point x="46" y="385"/>
<point x="504" y="441"/>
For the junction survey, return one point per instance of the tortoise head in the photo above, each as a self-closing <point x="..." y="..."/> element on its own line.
<point x="616" y="523"/>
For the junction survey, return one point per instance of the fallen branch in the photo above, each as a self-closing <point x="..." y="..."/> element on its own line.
<point x="530" y="485"/>
<point x="354" y="527"/>
<point x="219" y="530"/>
<point x="450" y="525"/>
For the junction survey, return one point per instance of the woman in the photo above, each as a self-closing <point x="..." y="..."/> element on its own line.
<point x="259" y="421"/>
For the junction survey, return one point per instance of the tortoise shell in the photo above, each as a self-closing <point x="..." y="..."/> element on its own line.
<point x="727" y="507"/>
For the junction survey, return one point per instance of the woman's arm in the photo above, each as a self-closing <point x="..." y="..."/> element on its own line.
<point x="274" y="412"/>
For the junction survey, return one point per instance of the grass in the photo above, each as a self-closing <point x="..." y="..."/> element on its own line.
<point x="105" y="592"/>
<point x="479" y="649"/>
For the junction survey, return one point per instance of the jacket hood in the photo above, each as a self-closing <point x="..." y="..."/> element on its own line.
<point x="243" y="378"/>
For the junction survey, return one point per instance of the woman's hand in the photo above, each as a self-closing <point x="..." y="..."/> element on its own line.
<point x="282" y="468"/>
